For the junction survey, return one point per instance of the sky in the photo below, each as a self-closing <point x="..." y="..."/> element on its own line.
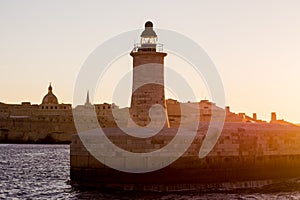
<point x="255" y="46"/>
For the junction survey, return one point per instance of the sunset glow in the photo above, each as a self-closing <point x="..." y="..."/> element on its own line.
<point x="255" y="46"/>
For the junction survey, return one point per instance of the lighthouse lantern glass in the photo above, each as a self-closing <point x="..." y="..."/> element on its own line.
<point x="148" y="40"/>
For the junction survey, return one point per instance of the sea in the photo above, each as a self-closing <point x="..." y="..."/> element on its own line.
<point x="38" y="171"/>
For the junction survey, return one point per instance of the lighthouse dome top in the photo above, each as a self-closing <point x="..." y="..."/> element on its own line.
<point x="148" y="24"/>
<point x="148" y="32"/>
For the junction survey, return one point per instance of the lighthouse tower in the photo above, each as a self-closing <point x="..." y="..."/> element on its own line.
<point x="148" y="80"/>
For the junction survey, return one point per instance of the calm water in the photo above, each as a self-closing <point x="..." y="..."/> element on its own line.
<point x="42" y="172"/>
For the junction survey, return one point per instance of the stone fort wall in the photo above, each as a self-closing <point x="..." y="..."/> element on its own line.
<point x="28" y="123"/>
<point x="54" y="123"/>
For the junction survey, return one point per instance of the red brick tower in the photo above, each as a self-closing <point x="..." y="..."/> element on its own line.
<point x="148" y="79"/>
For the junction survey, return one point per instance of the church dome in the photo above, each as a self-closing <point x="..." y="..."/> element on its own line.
<point x="50" y="98"/>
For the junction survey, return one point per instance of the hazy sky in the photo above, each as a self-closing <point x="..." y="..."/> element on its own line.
<point x="255" y="45"/>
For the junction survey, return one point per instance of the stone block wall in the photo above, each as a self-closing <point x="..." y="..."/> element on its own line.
<point x="244" y="152"/>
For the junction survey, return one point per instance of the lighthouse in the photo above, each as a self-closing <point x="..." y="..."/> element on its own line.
<point x="148" y="104"/>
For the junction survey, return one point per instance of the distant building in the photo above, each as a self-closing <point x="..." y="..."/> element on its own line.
<point x="50" y="102"/>
<point x="49" y="121"/>
<point x="274" y="120"/>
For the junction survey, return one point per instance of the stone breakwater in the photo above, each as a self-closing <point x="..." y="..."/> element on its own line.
<point x="246" y="155"/>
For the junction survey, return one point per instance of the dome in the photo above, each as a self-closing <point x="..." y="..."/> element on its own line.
<point x="148" y="24"/>
<point x="148" y="32"/>
<point x="50" y="98"/>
